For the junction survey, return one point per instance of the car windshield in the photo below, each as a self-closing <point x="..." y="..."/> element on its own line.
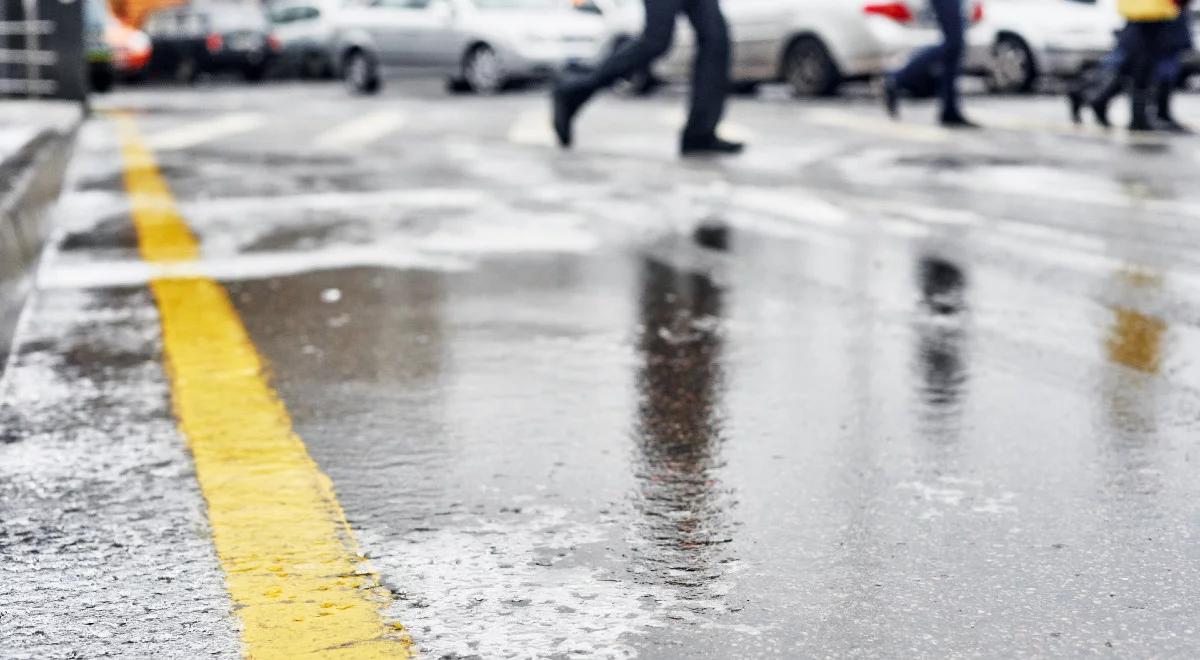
<point x="520" y="4"/>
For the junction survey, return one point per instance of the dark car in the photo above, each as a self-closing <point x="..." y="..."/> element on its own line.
<point x="211" y="38"/>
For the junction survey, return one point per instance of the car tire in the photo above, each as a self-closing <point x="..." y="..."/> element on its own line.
<point x="361" y="73"/>
<point x="457" y="86"/>
<point x="1013" y="70"/>
<point x="483" y="71"/>
<point x="744" y="88"/>
<point x="809" y="69"/>
<point x="102" y="79"/>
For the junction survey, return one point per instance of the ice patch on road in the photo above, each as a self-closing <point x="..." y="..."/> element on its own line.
<point x="505" y="590"/>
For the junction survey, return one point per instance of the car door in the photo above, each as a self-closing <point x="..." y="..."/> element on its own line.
<point x="756" y="28"/>
<point x="406" y="31"/>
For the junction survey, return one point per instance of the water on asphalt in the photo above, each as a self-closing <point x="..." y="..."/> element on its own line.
<point x="821" y="426"/>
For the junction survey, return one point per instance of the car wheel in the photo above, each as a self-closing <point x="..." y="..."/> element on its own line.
<point x="102" y="79"/>
<point x="362" y="73"/>
<point x="483" y="71"/>
<point x="744" y="88"/>
<point x="809" y="69"/>
<point x="1013" y="69"/>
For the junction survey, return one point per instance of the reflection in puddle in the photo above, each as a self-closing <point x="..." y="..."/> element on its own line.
<point x="682" y="528"/>
<point x="941" y="340"/>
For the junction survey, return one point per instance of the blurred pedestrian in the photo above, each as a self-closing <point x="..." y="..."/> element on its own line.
<point x="710" y="73"/>
<point x="1150" y="40"/>
<point x="944" y="59"/>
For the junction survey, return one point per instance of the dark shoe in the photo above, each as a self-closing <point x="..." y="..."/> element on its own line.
<point x="1075" y="102"/>
<point x="957" y="121"/>
<point x="567" y="102"/>
<point x="891" y="97"/>
<point x="1166" y="119"/>
<point x="709" y="146"/>
<point x="1139" y="115"/>
<point x="1100" y="109"/>
<point x="1171" y="126"/>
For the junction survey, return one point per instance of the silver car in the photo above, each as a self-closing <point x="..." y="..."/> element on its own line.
<point x="478" y="45"/>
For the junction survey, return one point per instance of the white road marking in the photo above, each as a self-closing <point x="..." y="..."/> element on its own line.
<point x="447" y="198"/>
<point x="258" y="265"/>
<point x="361" y="130"/>
<point x="195" y="134"/>
<point x="532" y="127"/>
<point x="880" y="126"/>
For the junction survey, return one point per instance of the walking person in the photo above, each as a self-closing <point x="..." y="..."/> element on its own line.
<point x="1143" y="45"/>
<point x="945" y="58"/>
<point x="710" y="74"/>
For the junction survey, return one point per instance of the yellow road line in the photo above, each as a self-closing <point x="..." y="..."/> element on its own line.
<point x="291" y="561"/>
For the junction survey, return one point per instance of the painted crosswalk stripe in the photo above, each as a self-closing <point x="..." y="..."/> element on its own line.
<point x="291" y="563"/>
<point x="361" y="131"/>
<point x="198" y="133"/>
<point x="879" y="126"/>
<point x="532" y="127"/>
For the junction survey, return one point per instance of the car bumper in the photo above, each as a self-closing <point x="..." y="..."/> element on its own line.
<point x="887" y="45"/>
<point x="544" y="60"/>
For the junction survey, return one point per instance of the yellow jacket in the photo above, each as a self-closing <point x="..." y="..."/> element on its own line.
<point x="1148" y="10"/>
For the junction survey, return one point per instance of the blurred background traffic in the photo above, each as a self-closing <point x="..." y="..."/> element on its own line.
<point x="813" y="47"/>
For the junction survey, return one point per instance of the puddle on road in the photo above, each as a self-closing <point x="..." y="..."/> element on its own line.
<point x="678" y="454"/>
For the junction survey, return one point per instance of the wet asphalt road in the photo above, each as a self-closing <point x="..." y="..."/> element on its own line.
<point x="872" y="390"/>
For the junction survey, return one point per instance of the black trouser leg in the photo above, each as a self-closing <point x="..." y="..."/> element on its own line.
<point x="710" y="72"/>
<point x="653" y="43"/>
<point x="950" y="19"/>
<point x="1145" y="57"/>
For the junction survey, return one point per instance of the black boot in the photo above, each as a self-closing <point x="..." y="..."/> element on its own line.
<point x="567" y="98"/>
<point x="1166" y="120"/>
<point x="1075" y="103"/>
<point x="1140" y="115"/>
<point x="708" y="145"/>
<point x="891" y="97"/>
<point x="1106" y="90"/>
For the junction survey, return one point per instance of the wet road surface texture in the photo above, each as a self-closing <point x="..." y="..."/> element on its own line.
<point x="872" y="390"/>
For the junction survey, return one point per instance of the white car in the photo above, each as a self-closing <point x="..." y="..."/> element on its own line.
<point x="812" y="45"/>
<point x="1034" y="38"/>
<point x="478" y="45"/>
<point x="305" y="29"/>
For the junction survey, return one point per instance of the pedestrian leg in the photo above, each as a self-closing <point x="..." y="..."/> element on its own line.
<point x="570" y="95"/>
<point x="710" y="79"/>
<point x="950" y="18"/>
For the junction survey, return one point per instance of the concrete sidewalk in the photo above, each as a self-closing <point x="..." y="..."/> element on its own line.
<point x="35" y="141"/>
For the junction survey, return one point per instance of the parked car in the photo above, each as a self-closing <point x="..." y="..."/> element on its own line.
<point x="305" y="29"/>
<point x="200" y="38"/>
<point x="478" y="45"/>
<point x="1035" y="38"/>
<point x="812" y="45"/>
<point x="131" y="50"/>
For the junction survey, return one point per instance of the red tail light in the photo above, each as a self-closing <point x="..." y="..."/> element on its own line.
<point x="274" y="43"/>
<point x="977" y="14"/>
<point x="214" y="43"/>
<point x="897" y="11"/>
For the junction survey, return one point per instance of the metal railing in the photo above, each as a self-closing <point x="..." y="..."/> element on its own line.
<point x="37" y="43"/>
